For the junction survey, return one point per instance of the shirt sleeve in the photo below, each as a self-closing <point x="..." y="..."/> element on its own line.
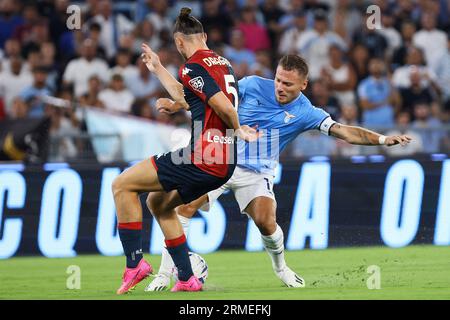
<point x="68" y="75"/>
<point x="198" y="80"/>
<point x="336" y="39"/>
<point x="26" y="93"/>
<point x="321" y="120"/>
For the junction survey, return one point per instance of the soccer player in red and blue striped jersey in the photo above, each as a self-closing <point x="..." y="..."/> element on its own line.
<point x="209" y="91"/>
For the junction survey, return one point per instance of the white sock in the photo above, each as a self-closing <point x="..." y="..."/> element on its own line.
<point x="167" y="265"/>
<point x="184" y="223"/>
<point x="274" y="245"/>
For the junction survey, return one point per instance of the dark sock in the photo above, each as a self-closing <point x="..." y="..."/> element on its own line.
<point x="131" y="236"/>
<point x="179" y="252"/>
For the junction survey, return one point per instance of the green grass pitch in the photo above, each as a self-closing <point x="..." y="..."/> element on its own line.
<point x="415" y="272"/>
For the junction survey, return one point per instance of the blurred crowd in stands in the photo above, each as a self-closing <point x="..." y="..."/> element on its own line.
<point x="395" y="77"/>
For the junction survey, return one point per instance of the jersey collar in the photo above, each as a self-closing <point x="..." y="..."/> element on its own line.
<point x="197" y="52"/>
<point x="293" y="102"/>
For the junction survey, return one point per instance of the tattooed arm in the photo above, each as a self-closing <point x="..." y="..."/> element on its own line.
<point x="362" y="136"/>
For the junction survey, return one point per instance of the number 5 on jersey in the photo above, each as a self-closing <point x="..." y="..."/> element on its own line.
<point x="230" y="86"/>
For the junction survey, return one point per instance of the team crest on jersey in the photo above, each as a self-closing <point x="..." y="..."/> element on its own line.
<point x="288" y="117"/>
<point x="185" y="71"/>
<point x="197" y="84"/>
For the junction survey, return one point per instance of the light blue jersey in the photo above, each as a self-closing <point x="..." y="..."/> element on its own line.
<point x="280" y="123"/>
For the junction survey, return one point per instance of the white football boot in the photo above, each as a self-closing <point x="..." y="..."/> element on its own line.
<point x="161" y="282"/>
<point x="290" y="278"/>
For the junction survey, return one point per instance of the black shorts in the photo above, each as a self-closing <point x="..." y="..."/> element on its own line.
<point x="190" y="182"/>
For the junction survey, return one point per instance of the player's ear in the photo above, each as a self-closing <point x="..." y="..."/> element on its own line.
<point x="204" y="37"/>
<point x="304" y="84"/>
<point x="178" y="41"/>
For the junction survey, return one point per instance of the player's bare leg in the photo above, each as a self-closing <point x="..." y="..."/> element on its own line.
<point x="141" y="177"/>
<point x="126" y="188"/>
<point x="162" y="205"/>
<point x="188" y="210"/>
<point x="184" y="213"/>
<point x="263" y="212"/>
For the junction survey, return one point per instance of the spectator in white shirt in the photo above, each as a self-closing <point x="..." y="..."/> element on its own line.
<point x="94" y="33"/>
<point x="117" y="97"/>
<point x="12" y="48"/>
<point x="431" y="40"/>
<point x="408" y="29"/>
<point x="290" y="39"/>
<point x="414" y="63"/>
<point x="144" y="85"/>
<point x="78" y="71"/>
<point x="123" y="65"/>
<point x="159" y="16"/>
<point x="340" y="76"/>
<point x="112" y="27"/>
<point x="345" y="18"/>
<point x="314" y="44"/>
<point x="392" y="36"/>
<point x="13" y="80"/>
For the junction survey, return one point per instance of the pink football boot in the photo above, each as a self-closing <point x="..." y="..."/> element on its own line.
<point x="132" y="276"/>
<point x="193" y="284"/>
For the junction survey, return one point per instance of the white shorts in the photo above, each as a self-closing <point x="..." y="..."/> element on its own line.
<point x="246" y="186"/>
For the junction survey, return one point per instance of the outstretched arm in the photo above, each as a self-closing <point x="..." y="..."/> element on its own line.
<point x="173" y="87"/>
<point x="362" y="136"/>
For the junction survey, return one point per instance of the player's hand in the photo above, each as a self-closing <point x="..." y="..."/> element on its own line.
<point x="165" y="105"/>
<point x="393" y="140"/>
<point x="248" y="134"/>
<point x="150" y="58"/>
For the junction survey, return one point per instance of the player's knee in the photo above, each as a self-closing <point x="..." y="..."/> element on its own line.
<point x="266" y="224"/>
<point x="118" y="185"/>
<point x="186" y="210"/>
<point x="155" y="205"/>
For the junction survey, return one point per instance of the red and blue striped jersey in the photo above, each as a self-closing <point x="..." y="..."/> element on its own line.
<point x="203" y="75"/>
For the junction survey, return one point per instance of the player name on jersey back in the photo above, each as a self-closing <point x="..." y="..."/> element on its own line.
<point x="216" y="61"/>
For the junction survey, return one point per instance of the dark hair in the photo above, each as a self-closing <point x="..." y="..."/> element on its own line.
<point x="117" y="77"/>
<point x="187" y="24"/>
<point x="136" y="107"/>
<point x="94" y="26"/>
<point x="123" y="50"/>
<point x="294" y="62"/>
<point x="41" y="69"/>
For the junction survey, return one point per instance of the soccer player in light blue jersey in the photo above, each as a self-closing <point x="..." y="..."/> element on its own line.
<point x="282" y="112"/>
